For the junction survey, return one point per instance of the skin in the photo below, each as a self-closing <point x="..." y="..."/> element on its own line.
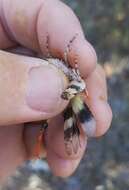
<point x="25" y="82"/>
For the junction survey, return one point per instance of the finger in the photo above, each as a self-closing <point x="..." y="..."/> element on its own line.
<point x="56" y="26"/>
<point x="60" y="166"/>
<point x="97" y="101"/>
<point x="12" y="150"/>
<point x="60" y="162"/>
<point x="59" y="38"/>
<point x="30" y="89"/>
<point x="5" y="42"/>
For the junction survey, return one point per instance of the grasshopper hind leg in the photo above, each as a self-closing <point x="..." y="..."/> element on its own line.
<point x="40" y="139"/>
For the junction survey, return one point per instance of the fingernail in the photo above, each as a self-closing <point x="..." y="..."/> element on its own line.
<point x="45" y="85"/>
<point x="89" y="127"/>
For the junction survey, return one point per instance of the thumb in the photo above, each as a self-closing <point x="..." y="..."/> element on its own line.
<point x="30" y="89"/>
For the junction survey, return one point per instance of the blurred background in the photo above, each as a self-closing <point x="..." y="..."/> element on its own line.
<point x="105" y="165"/>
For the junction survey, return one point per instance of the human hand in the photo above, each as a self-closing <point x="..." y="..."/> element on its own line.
<point x="25" y="82"/>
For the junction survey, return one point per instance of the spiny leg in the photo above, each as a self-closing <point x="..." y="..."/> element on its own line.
<point x="38" y="145"/>
<point x="68" y="48"/>
<point x="48" y="46"/>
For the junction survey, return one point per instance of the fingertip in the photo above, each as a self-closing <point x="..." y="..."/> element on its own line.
<point x="61" y="167"/>
<point x="97" y="101"/>
<point x="71" y="41"/>
<point x="88" y="59"/>
<point x="84" y="54"/>
<point x="35" y="88"/>
<point x="103" y="116"/>
<point x="44" y="87"/>
<point x="104" y="123"/>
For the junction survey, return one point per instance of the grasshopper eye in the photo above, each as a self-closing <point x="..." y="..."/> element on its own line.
<point x="73" y="89"/>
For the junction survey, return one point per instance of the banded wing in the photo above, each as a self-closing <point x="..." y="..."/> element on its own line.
<point x="71" y="131"/>
<point x="84" y="115"/>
